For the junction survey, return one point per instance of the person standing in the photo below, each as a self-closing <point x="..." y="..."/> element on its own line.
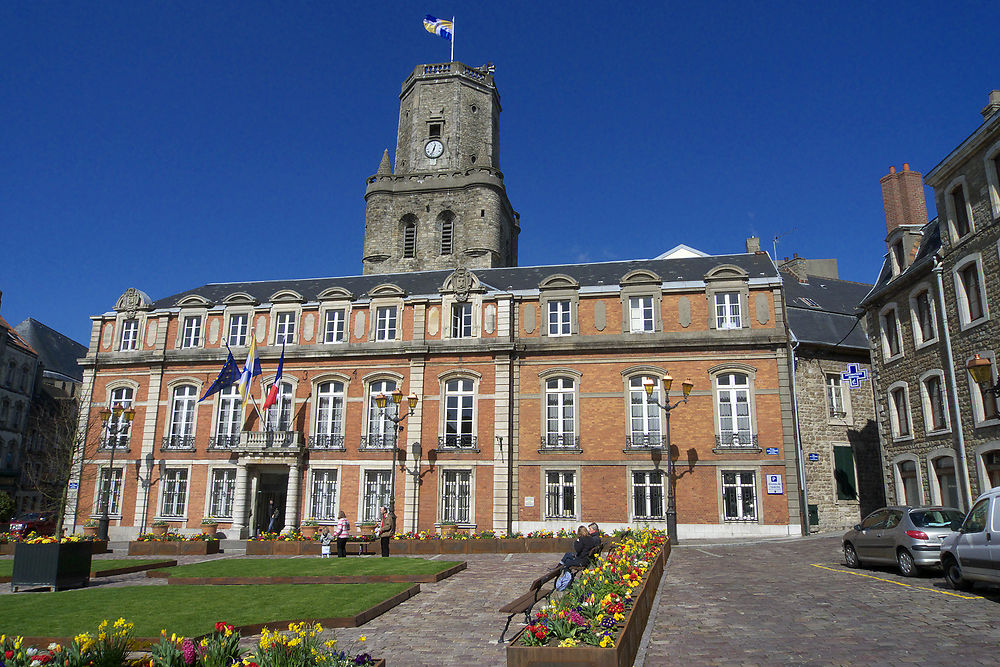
<point x="272" y="512"/>
<point x="324" y="540"/>
<point x="342" y="532"/>
<point x="386" y="529"/>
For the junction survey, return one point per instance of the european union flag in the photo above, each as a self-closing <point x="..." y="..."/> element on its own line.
<point x="228" y="376"/>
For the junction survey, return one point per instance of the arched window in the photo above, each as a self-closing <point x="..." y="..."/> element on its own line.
<point x="409" y="239"/>
<point x="380" y="429"/>
<point x="447" y="232"/>
<point x="459" y="417"/>
<point x="121" y="427"/>
<point x="182" y="418"/>
<point x="330" y="416"/>
<point x="944" y="474"/>
<point x="560" y="413"/>
<point x="645" y="416"/>
<point x="228" y="425"/>
<point x="25" y="377"/>
<point x="733" y="405"/>
<point x="908" y="492"/>
<point x="279" y="416"/>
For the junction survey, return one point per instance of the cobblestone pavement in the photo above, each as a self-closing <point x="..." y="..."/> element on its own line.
<point x="766" y="604"/>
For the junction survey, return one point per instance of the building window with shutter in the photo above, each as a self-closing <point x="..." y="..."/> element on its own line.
<point x="410" y="240"/>
<point x="843" y="473"/>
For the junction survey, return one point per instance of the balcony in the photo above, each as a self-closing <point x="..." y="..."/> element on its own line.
<point x="327" y="442"/>
<point x="230" y="441"/>
<point x="377" y="442"/>
<point x="118" y="443"/>
<point x="177" y="443"/>
<point x="561" y="441"/>
<point x="644" y="441"/>
<point x="269" y="442"/>
<point x="458" y="442"/>
<point x="740" y="441"/>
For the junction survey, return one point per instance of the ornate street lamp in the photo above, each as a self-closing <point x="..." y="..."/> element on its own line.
<point x="116" y="421"/>
<point x="981" y="371"/>
<point x="648" y="384"/>
<point x="383" y="404"/>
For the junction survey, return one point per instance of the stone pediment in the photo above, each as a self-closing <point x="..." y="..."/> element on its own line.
<point x="194" y="301"/>
<point x="640" y="277"/>
<point x="386" y="290"/>
<point x="558" y="281"/>
<point x="461" y="282"/>
<point x="286" y="296"/>
<point x="133" y="300"/>
<point x="335" y="294"/>
<point x="240" y="299"/>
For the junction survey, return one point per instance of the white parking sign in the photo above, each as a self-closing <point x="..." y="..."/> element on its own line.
<point x="774" y="485"/>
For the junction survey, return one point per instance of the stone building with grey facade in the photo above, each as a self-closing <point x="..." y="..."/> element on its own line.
<point x="934" y="310"/>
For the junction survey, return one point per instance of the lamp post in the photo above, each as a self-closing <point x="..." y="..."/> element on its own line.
<point x="687" y="385"/>
<point x="981" y="371"/>
<point x="116" y="420"/>
<point x="382" y="403"/>
<point x="145" y="483"/>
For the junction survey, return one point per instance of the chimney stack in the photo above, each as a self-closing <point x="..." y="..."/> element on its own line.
<point x="903" y="198"/>
<point x="992" y="105"/>
<point x="753" y="245"/>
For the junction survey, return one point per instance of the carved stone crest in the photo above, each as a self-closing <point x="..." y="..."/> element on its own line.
<point x="461" y="282"/>
<point x="131" y="301"/>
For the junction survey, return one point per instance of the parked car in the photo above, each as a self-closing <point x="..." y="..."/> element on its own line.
<point x="40" y="523"/>
<point x="909" y="537"/>
<point x="973" y="553"/>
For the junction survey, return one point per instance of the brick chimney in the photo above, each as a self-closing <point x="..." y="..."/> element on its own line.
<point x="903" y="198"/>
<point x="992" y="105"/>
<point x="753" y="245"/>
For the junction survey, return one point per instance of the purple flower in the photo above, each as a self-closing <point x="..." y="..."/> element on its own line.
<point x="576" y="617"/>
<point x="363" y="659"/>
<point x="190" y="655"/>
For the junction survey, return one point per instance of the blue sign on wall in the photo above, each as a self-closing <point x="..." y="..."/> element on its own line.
<point x="771" y="451"/>
<point x="814" y="457"/>
<point x="854" y="375"/>
<point x="73" y="485"/>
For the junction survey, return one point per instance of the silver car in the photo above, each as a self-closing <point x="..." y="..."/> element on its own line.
<point x="972" y="554"/>
<point x="909" y="537"/>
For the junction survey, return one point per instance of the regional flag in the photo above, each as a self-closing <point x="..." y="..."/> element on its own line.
<point x="439" y="27"/>
<point x="228" y="376"/>
<point x="250" y="369"/>
<point x="272" y="396"/>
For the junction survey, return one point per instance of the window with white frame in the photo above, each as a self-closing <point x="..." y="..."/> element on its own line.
<point x="191" y="336"/>
<point x="647" y="494"/>
<point x="284" y="329"/>
<point x="640" y="309"/>
<point x="130" y="335"/>
<point x="182" y="417"/>
<point x="644" y="416"/>
<point x="111" y="490"/>
<point x="908" y="492"/>
<point x="835" y="396"/>
<point x="456" y="496"/>
<point x="279" y="416"/>
<point x="932" y="390"/>
<point x="385" y="323"/>
<point x="461" y="320"/>
<point x="223" y="492"/>
<point x="993" y="178"/>
<point x="560" y="494"/>
<point x="324" y="495"/>
<point x="333" y="330"/>
<point x="560" y="322"/>
<point x="175" y="482"/>
<point x="946" y="480"/>
<point x="922" y="317"/>
<point x="121" y="427"/>
<point x="739" y="495"/>
<point x="238" y="325"/>
<point x="380" y="428"/>
<point x="969" y="285"/>
<point x="960" y="221"/>
<point x="377" y="490"/>
<point x="733" y="409"/>
<point x="899" y="411"/>
<point x="459" y="418"/>
<point x="228" y="424"/>
<point x="329" y="415"/>
<point x="727" y="310"/>
<point x="560" y="413"/>
<point x="891" y="343"/>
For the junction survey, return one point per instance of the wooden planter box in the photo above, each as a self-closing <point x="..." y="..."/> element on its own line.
<point x="7" y="548"/>
<point x="482" y="546"/>
<point x="198" y="548"/>
<point x="55" y="566"/>
<point x="422" y="547"/>
<point x="626" y="646"/>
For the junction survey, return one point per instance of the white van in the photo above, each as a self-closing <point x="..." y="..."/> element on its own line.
<point x="973" y="553"/>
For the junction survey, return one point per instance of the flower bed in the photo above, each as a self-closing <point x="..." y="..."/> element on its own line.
<point x="600" y="619"/>
<point x="8" y="542"/>
<point x="197" y="545"/>
<point x="300" y="646"/>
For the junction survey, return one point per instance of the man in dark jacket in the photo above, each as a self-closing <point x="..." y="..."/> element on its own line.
<point x="583" y="547"/>
<point x="386" y="529"/>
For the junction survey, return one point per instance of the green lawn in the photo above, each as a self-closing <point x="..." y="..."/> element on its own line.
<point x="7" y="564"/>
<point x="309" y="567"/>
<point x="185" y="610"/>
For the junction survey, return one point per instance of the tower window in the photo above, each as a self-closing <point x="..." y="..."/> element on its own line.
<point x="447" y="236"/>
<point x="434" y="130"/>
<point x="409" y="240"/>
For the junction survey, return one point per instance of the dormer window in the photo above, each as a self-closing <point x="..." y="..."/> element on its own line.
<point x="959" y="206"/>
<point x="897" y="257"/>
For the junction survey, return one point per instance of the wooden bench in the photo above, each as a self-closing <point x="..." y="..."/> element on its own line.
<point x="526" y="602"/>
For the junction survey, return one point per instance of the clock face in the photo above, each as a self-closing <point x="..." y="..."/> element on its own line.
<point x="434" y="148"/>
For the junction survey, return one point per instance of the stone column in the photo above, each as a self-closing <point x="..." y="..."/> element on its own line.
<point x="292" y="498"/>
<point x="240" y="502"/>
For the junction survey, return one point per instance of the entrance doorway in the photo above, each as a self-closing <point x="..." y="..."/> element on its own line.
<point x="272" y="489"/>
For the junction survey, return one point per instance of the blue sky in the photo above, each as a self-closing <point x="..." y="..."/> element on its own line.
<point x="164" y="145"/>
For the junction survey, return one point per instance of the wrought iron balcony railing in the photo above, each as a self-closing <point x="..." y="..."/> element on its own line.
<point x="381" y="442"/>
<point x="327" y="441"/>
<point x="644" y="441"/>
<point x="230" y="441"/>
<point x="736" y="440"/>
<point x="560" y="441"/>
<point x="457" y="441"/>
<point x="177" y="443"/>
<point x="118" y="442"/>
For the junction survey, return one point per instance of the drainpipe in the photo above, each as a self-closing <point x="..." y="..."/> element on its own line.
<point x="803" y="506"/>
<point x="950" y="362"/>
<point x="510" y="420"/>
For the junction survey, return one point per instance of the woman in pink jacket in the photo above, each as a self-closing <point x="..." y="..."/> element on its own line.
<point x="342" y="531"/>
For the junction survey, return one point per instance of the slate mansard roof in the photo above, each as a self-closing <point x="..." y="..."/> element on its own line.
<point x="499" y="280"/>
<point x="57" y="352"/>
<point x="822" y="312"/>
<point x="923" y="260"/>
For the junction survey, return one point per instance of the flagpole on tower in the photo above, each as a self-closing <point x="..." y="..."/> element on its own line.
<point x="452" y="39"/>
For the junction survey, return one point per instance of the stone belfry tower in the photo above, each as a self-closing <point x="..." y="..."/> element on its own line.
<point x="444" y="205"/>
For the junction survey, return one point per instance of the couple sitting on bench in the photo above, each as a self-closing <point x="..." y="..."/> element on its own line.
<point x="588" y="542"/>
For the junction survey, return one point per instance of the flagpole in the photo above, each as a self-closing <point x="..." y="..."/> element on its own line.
<point x="452" y="39"/>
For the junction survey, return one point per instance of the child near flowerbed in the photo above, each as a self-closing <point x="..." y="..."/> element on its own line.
<point x="325" y="540"/>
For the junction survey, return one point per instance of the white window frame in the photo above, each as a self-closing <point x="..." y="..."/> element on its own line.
<point x="324" y="493"/>
<point x="174" y="488"/>
<point x="130" y="339"/>
<point x="330" y="403"/>
<point x="386" y="322"/>
<point x="461" y="320"/>
<point x="556" y="482"/>
<point x="378" y="428"/>
<point x="124" y="394"/>
<point x="934" y="480"/>
<point x="961" y="294"/>
<point x="927" y="407"/>
<point x="284" y="327"/>
<point x="565" y="435"/>
<point x="740" y="486"/>
<point x="898" y="479"/>
<point x="729" y="394"/>
<point x="191" y="335"/>
<point x="887" y="311"/>
<point x="835" y="396"/>
<point x="281" y="413"/>
<point x="645" y="512"/>
<point x="228" y="414"/>
<point x="560" y="317"/>
<point x="378" y="480"/>
<point x="919" y="341"/>
<point x="117" y="479"/>
<point x="332" y="317"/>
<point x="459" y="431"/>
<point x="728" y="301"/>
<point x="951" y="209"/>
<point x="183" y="414"/>
<point x="642" y="316"/>
<point x="221" y="493"/>
<point x="241" y="333"/>
<point x="452" y="493"/>
<point x="894" y="424"/>
<point x="644" y="422"/>
<point x="991" y="163"/>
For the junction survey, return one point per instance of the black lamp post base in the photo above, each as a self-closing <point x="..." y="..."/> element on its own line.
<point x="102" y="528"/>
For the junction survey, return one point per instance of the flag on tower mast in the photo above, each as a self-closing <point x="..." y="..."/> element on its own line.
<point x="442" y="28"/>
